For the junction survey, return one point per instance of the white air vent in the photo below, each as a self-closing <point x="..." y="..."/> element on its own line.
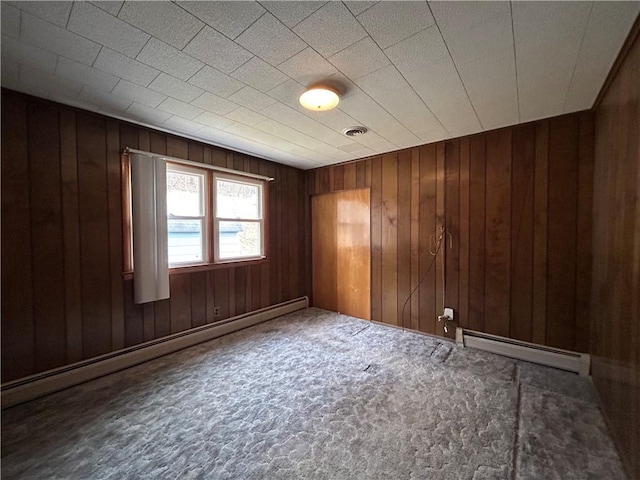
<point x="354" y="131"/>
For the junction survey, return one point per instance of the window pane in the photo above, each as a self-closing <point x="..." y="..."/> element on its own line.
<point x="185" y="241"/>
<point x="239" y="239"/>
<point x="237" y="200"/>
<point x="184" y="194"/>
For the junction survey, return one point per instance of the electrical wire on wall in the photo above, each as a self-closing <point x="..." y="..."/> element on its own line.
<point x="435" y="246"/>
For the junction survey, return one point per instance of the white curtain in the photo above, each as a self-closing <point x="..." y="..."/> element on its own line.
<point x="149" y="209"/>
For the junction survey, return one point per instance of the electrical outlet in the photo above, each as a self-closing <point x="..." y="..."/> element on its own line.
<point x="216" y="311"/>
<point x="448" y="312"/>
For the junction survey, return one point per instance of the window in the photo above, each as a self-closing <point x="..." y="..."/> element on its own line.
<point x="186" y="219"/>
<point x="213" y="217"/>
<point x="239" y="224"/>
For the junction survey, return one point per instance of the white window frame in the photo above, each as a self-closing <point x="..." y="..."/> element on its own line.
<point x="181" y="168"/>
<point x="216" y="219"/>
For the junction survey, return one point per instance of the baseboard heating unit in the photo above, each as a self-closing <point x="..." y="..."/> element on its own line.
<point x="34" y="386"/>
<point x="552" y="357"/>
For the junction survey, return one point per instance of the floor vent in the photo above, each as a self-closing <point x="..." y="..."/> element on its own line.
<point x="34" y="386"/>
<point x="552" y="357"/>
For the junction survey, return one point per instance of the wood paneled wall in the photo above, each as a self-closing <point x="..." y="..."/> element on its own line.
<point x="63" y="294"/>
<point x="517" y="202"/>
<point x="615" y="315"/>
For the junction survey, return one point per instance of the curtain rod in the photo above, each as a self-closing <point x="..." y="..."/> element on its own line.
<point x="128" y="150"/>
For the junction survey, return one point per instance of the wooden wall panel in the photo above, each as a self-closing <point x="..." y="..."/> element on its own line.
<point x="94" y="235"/>
<point x="477" y="187"/>
<point x="522" y="179"/>
<point x="507" y="216"/>
<point x="18" y="348"/>
<point x="62" y="195"/>
<point x="389" y="243"/>
<point x="46" y="229"/>
<point x="561" y="236"/>
<point x="615" y="291"/>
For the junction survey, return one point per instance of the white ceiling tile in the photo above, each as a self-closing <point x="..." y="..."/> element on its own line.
<point x="436" y="83"/>
<point x="10" y="70"/>
<point x="98" y="25"/>
<point x="549" y="23"/>
<point x="307" y="67"/>
<point x="291" y="13"/>
<point x="175" y="88"/>
<point x="260" y="75"/>
<point x="368" y="113"/>
<point x="110" y="6"/>
<point x="606" y="31"/>
<point x="360" y="59"/>
<point x="252" y="99"/>
<point x="301" y="122"/>
<point x="53" y="12"/>
<point x="176" y="107"/>
<point x="387" y="79"/>
<point x="287" y="133"/>
<point x="375" y="142"/>
<point x="183" y="125"/>
<point x="216" y="50"/>
<point x="228" y="17"/>
<point x="10" y="19"/>
<point x="213" y="120"/>
<point x="86" y="75"/>
<point x="103" y="99"/>
<point x="216" y="82"/>
<point x="271" y="40"/>
<point x="245" y="116"/>
<point x="335" y="119"/>
<point x="166" y="58"/>
<point x="163" y="20"/>
<point x="57" y="40"/>
<point x="390" y="22"/>
<point x="147" y="114"/>
<point x="257" y="135"/>
<point x="125" y="67"/>
<point x="480" y="41"/>
<point x="214" y="104"/>
<point x="288" y="93"/>
<point x="406" y="105"/>
<point x="454" y="17"/>
<point x="330" y="29"/>
<point x="342" y="84"/>
<point x="358" y="7"/>
<point x="26" y="54"/>
<point x="418" y="51"/>
<point x="51" y="86"/>
<point x="138" y="94"/>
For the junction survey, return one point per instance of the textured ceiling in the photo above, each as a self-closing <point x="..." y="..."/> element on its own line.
<point x="230" y="73"/>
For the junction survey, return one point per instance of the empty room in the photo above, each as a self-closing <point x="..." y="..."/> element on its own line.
<point x="320" y="240"/>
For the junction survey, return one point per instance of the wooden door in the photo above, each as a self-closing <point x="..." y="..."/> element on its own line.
<point x="341" y="252"/>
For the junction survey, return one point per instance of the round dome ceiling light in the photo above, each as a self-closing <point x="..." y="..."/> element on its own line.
<point x="354" y="131"/>
<point x="319" y="99"/>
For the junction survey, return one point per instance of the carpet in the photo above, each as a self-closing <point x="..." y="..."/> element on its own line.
<point x="316" y="395"/>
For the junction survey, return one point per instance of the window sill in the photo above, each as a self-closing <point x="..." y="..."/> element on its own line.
<point x="205" y="267"/>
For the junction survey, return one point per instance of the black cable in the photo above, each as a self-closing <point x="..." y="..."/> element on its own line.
<point x="435" y="257"/>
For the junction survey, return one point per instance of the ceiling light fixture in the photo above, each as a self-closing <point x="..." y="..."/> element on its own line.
<point x="319" y="99"/>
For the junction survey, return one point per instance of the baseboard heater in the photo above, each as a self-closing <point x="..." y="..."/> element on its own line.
<point x="34" y="386"/>
<point x="552" y="357"/>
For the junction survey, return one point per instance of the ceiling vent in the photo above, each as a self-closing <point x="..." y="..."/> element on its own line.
<point x="354" y="131"/>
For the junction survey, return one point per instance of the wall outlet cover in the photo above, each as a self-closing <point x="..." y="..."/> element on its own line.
<point x="449" y="313"/>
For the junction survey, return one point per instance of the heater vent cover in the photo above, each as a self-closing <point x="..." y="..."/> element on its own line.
<point x="354" y="131"/>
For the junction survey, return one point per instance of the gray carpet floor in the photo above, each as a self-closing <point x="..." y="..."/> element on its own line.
<point x="316" y="395"/>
